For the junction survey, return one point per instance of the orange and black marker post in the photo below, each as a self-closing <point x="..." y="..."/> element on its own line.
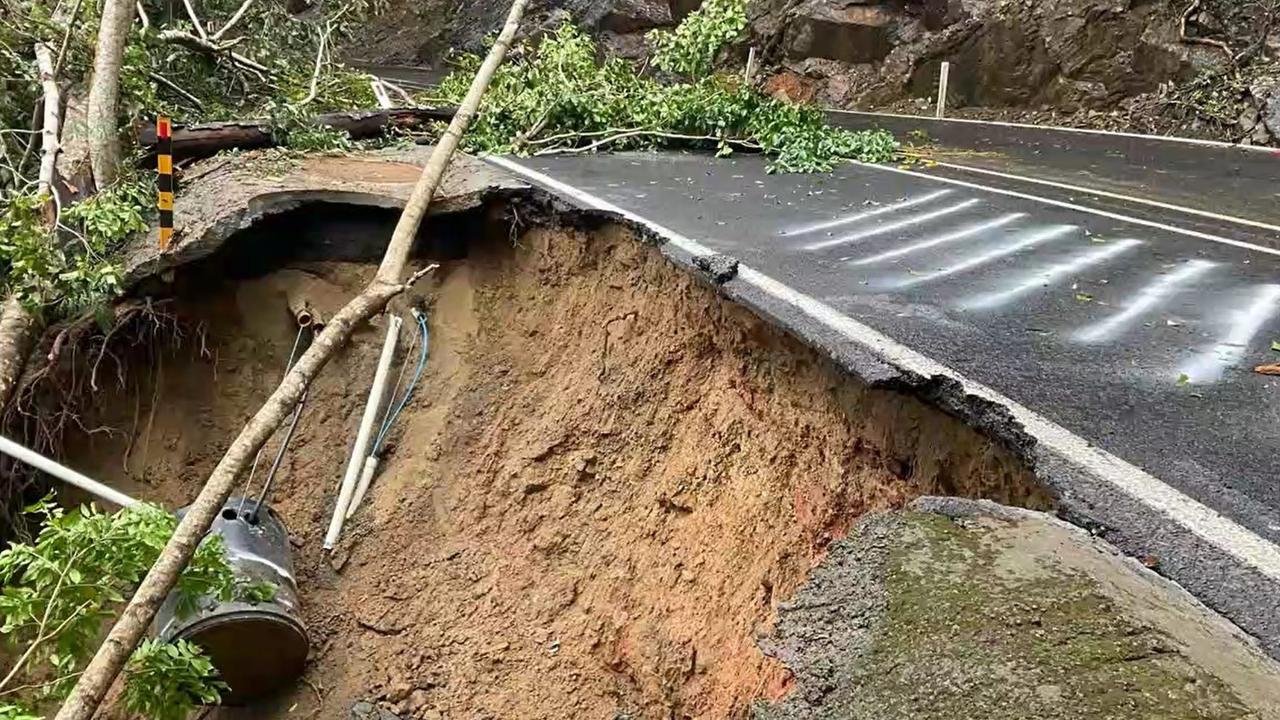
<point x="164" y="180"/>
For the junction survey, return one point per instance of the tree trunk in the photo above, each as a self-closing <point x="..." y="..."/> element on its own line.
<point x="206" y="139"/>
<point x="17" y="333"/>
<point x="104" y="92"/>
<point x="50" y="130"/>
<point x="17" y="325"/>
<point x="160" y="580"/>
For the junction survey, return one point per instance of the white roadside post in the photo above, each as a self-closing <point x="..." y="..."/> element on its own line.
<point x="942" y="90"/>
<point x="751" y="65"/>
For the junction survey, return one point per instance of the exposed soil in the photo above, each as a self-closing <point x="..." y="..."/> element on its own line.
<point x="561" y="530"/>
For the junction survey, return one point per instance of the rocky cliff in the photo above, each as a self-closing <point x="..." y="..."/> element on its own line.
<point x="1192" y="67"/>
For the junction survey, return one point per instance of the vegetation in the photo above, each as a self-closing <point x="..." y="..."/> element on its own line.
<point x="239" y="58"/>
<point x="690" y="49"/>
<point x="558" y="97"/>
<point x="59" y="589"/>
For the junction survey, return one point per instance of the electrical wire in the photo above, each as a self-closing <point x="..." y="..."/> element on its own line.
<point x="392" y="414"/>
<point x="244" y="497"/>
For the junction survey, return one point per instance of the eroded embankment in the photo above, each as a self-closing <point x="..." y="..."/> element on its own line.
<point x="608" y="479"/>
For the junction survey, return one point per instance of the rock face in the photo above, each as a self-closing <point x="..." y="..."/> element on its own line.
<point x="853" y="31"/>
<point x="1064" y="53"/>
<point x="966" y="609"/>
<point x="1263" y="121"/>
<point x="422" y="32"/>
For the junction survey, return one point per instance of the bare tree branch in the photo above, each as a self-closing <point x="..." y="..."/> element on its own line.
<point x="195" y="20"/>
<point x="191" y="42"/>
<point x="50" y="131"/>
<point x="315" y="74"/>
<point x="176" y="88"/>
<point x="1192" y="9"/>
<point x="235" y="18"/>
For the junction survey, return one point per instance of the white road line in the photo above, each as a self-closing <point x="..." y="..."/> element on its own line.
<point x="1050" y="275"/>
<point x="1116" y="196"/>
<point x="827" y="225"/>
<point x="1062" y="128"/>
<point x="1035" y="238"/>
<point x="1246" y="322"/>
<point x="893" y="226"/>
<point x="1148" y="297"/>
<point x="1223" y="533"/>
<point x="1073" y="206"/>
<point x="940" y="240"/>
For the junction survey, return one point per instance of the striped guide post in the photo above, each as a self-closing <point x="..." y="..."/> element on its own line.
<point x="164" y="180"/>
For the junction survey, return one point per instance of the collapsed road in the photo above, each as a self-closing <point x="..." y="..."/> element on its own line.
<point x="1119" y="349"/>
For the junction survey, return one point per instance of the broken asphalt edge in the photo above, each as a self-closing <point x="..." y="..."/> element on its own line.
<point x="1241" y="593"/>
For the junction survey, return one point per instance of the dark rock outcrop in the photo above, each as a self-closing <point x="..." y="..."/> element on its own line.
<point x="853" y="31"/>
<point x="1065" y="53"/>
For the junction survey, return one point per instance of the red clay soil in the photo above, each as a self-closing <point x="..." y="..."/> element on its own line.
<point x="559" y="531"/>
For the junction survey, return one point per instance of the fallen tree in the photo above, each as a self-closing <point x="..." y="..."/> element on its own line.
<point x="559" y="96"/>
<point x="207" y="139"/>
<point x="389" y="281"/>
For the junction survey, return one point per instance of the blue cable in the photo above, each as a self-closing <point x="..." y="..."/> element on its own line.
<point x="408" y="393"/>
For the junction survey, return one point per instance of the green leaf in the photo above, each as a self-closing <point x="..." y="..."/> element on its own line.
<point x="1275" y="346"/>
<point x="1183" y="379"/>
<point x="45" y="586"/>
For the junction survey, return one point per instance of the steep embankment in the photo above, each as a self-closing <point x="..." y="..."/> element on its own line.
<point x="608" y="480"/>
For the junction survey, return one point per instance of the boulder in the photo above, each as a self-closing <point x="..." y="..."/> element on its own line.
<point x="967" y="609"/>
<point x="1266" y="97"/>
<point x="680" y="9"/>
<point x="1250" y="125"/>
<point x="853" y="31"/>
<point x="630" y="16"/>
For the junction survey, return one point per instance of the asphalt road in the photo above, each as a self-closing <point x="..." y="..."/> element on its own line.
<point x="1216" y="178"/>
<point x="1132" y="337"/>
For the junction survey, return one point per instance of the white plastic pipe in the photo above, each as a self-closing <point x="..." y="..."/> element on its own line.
<point x="942" y="90"/>
<point x="361" y="448"/>
<point x="366" y="477"/>
<point x="62" y="472"/>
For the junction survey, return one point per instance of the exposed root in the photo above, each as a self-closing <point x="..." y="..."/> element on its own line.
<point x="54" y="396"/>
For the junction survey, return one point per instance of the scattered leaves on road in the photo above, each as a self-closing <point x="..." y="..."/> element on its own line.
<point x="1275" y="346"/>
<point x="1267" y="369"/>
<point x="1084" y="297"/>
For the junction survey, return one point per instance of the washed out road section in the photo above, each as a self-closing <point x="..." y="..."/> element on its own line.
<point x="1126" y="350"/>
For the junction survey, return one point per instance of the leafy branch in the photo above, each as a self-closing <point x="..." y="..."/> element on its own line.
<point x="59" y="589"/>
<point x="558" y="97"/>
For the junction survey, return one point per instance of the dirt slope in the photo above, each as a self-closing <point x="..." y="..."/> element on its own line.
<point x="561" y="530"/>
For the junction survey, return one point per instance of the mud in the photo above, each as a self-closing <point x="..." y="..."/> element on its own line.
<point x="607" y="482"/>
